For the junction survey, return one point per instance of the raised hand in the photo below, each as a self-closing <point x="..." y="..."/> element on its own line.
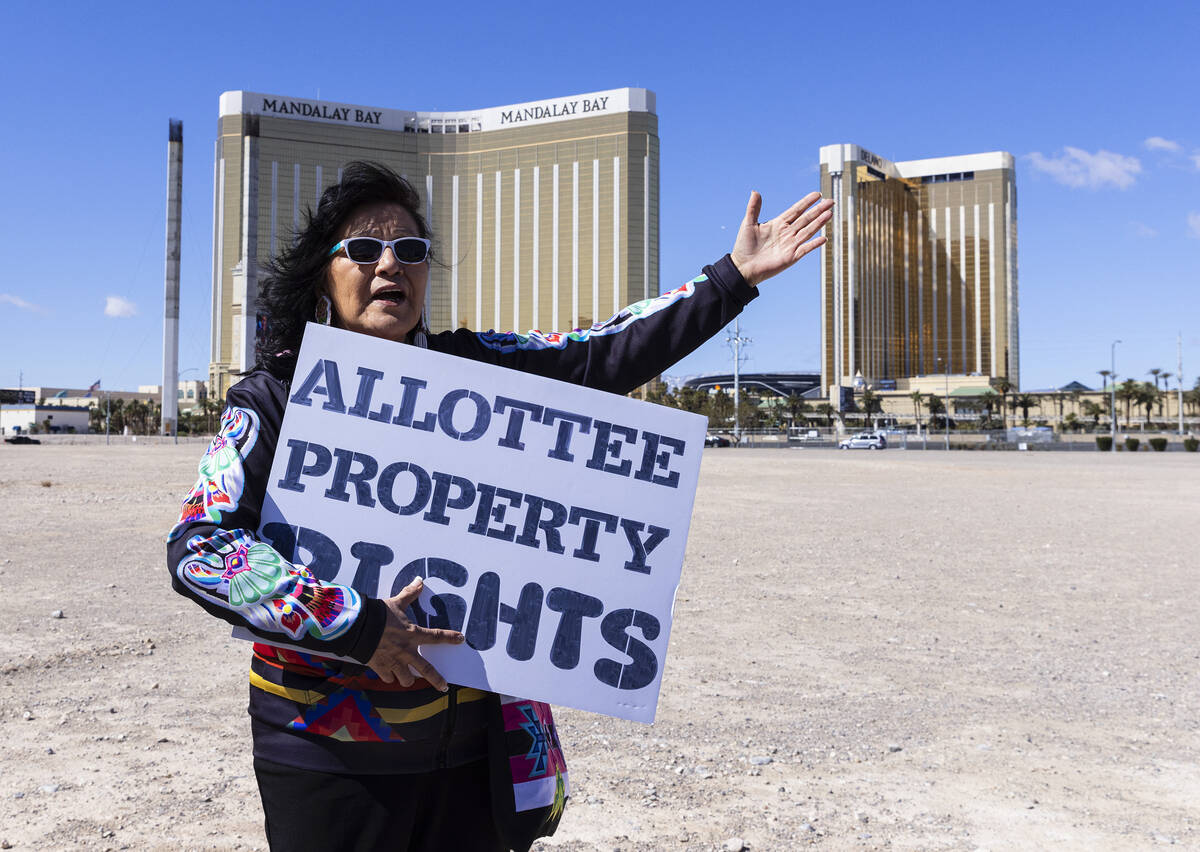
<point x="765" y="249"/>
<point x="396" y="657"/>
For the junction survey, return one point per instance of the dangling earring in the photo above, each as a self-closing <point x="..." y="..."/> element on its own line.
<point x="324" y="310"/>
<point x="419" y="338"/>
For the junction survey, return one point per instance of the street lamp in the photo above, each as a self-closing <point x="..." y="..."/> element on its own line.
<point x="1112" y="393"/>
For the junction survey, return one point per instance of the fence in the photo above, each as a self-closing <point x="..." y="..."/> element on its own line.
<point x="1020" y="440"/>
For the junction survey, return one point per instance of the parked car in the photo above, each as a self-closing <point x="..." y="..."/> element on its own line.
<point x="21" y="439"/>
<point x="716" y="441"/>
<point x="864" y="441"/>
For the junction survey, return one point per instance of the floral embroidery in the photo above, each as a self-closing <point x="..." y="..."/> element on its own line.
<point x="510" y="341"/>
<point x="239" y="573"/>
<point x="222" y="476"/>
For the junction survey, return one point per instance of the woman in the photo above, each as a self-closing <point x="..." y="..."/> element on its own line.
<point x="381" y="753"/>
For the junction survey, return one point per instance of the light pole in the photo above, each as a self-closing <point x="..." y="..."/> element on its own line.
<point x="1112" y="393"/>
<point x="736" y="342"/>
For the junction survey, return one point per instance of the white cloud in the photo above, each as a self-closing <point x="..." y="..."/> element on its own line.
<point x="18" y="302"/>
<point x="1141" y="229"/>
<point x="1157" y="143"/>
<point x="1078" y="168"/>
<point x="1194" y="224"/>
<point x="115" y="306"/>
<point x="1196" y="160"/>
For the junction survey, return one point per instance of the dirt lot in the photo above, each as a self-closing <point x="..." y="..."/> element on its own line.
<point x="871" y="651"/>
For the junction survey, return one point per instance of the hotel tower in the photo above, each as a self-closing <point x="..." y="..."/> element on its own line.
<point x="919" y="275"/>
<point x="544" y="214"/>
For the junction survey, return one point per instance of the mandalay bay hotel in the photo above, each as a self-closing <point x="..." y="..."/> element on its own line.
<point x="919" y="276"/>
<point x="544" y="214"/>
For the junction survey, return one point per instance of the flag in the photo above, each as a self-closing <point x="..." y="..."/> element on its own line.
<point x="95" y="387"/>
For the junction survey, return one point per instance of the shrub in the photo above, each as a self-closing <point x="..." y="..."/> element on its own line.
<point x="1191" y="444"/>
<point x="1104" y="443"/>
<point x="1158" y="444"/>
<point x="1131" y="444"/>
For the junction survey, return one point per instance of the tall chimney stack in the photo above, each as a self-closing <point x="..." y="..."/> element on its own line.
<point x="170" y="377"/>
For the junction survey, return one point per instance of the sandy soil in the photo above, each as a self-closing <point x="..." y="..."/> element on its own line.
<point x="871" y="651"/>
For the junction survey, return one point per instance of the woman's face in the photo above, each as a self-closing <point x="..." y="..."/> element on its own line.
<point x="384" y="298"/>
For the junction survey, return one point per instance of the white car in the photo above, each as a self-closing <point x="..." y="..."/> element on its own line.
<point x="863" y="441"/>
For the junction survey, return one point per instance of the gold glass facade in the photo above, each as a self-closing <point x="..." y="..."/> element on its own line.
<point x="543" y="215"/>
<point x="919" y="275"/>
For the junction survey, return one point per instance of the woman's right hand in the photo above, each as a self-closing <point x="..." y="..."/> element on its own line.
<point x="396" y="657"/>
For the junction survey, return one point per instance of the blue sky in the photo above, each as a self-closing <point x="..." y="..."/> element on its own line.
<point x="1099" y="108"/>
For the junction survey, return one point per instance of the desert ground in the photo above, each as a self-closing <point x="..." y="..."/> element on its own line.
<point x="871" y="650"/>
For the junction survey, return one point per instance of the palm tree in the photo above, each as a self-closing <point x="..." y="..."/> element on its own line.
<point x="720" y="407"/>
<point x="916" y="398"/>
<point x="1192" y="398"/>
<point x="212" y="409"/>
<point x="1025" y="402"/>
<point x="871" y="404"/>
<point x="1004" y="387"/>
<point x="797" y="407"/>
<point x="826" y="410"/>
<point x="1076" y="397"/>
<point x="1127" y="392"/>
<point x="1093" y="410"/>
<point x="1156" y="372"/>
<point x="988" y="401"/>
<point x="1147" y="395"/>
<point x="1166" y="389"/>
<point x="1060" y="399"/>
<point x="935" y="406"/>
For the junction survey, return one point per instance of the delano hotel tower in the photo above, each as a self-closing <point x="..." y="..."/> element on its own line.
<point x="919" y="275"/>
<point x="544" y="214"/>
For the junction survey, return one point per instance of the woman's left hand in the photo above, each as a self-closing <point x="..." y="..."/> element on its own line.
<point x="765" y="249"/>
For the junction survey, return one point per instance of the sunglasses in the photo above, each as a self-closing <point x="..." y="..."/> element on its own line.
<point x="370" y="249"/>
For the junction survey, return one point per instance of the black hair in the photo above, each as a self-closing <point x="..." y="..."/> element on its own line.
<point x="287" y="298"/>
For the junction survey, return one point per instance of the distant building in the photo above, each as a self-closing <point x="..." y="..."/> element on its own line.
<point x="190" y="394"/>
<point x="807" y="385"/>
<point x="544" y="214"/>
<point x="919" y="275"/>
<point x="23" y="418"/>
<point x="54" y="396"/>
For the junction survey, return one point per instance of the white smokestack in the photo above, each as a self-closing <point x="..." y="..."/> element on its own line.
<point x="170" y="376"/>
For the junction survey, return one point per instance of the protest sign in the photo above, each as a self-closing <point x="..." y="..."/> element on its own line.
<point x="548" y="521"/>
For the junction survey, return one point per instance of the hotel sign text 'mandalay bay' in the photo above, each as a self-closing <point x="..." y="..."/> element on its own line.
<point x="544" y="214"/>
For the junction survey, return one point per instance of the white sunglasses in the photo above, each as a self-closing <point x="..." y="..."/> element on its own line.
<point x="370" y="249"/>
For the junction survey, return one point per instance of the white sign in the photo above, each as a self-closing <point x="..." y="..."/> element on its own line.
<point x="488" y="118"/>
<point x="549" y="521"/>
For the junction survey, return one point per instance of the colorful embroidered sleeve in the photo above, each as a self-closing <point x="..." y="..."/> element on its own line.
<point x="216" y="560"/>
<point x="626" y="350"/>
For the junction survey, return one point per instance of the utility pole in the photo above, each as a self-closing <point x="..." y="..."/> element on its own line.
<point x="1179" y="376"/>
<point x="1112" y="391"/>
<point x="737" y="342"/>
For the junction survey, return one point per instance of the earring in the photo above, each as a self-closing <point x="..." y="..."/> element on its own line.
<point x="324" y="309"/>
<point x="420" y="338"/>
